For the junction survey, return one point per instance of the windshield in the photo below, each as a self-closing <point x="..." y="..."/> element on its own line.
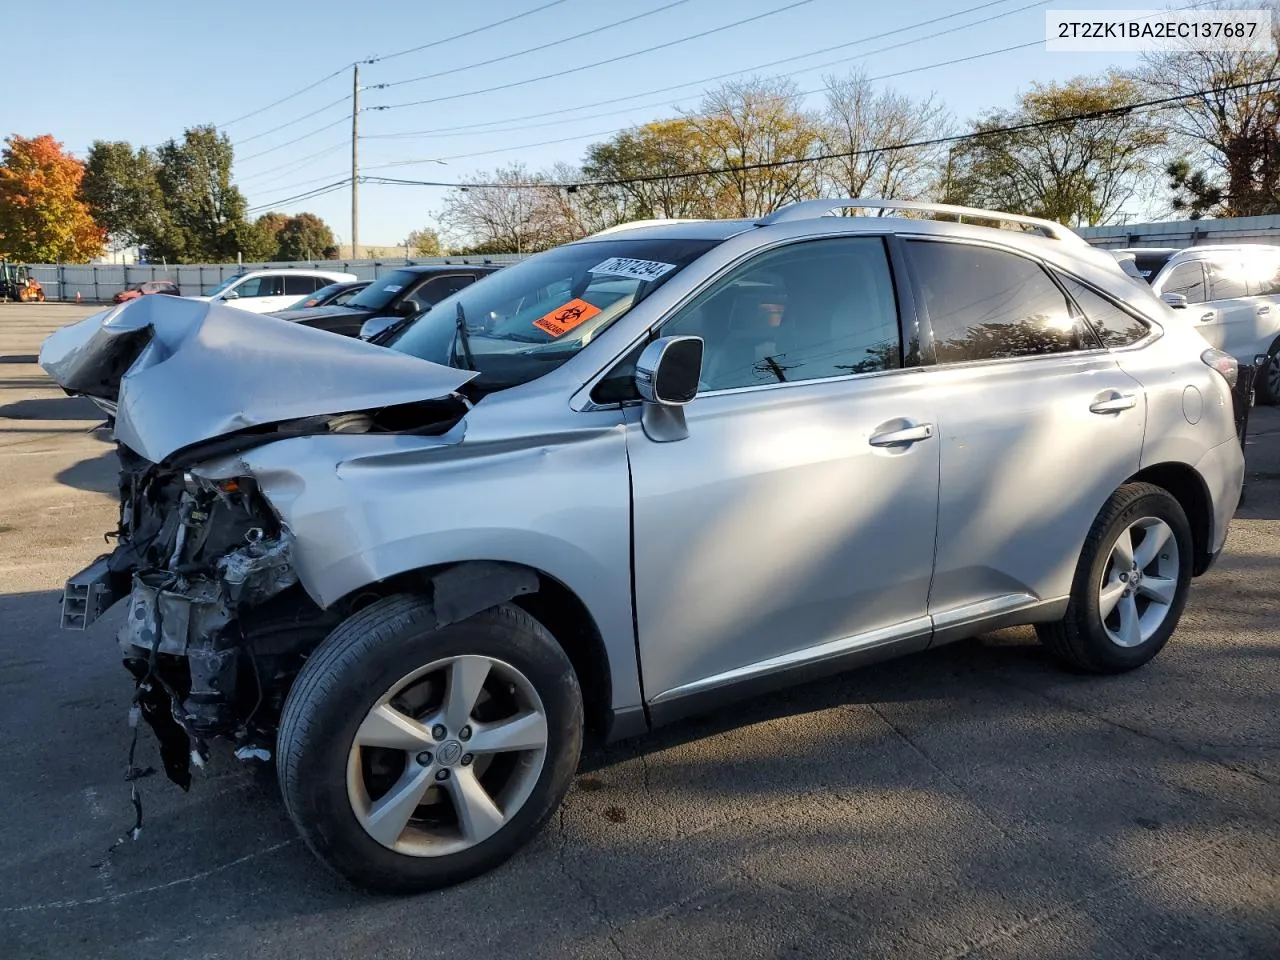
<point x="527" y="319"/>
<point x="1149" y="264"/>
<point x="383" y="290"/>
<point x="311" y="299"/>
<point x="234" y="278"/>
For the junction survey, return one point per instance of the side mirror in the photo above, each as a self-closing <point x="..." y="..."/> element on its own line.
<point x="1176" y="300"/>
<point x="231" y="295"/>
<point x="406" y="308"/>
<point x="666" y="378"/>
<point x="377" y="325"/>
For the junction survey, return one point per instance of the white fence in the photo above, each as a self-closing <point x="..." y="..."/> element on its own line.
<point x="100" y="282"/>
<point x="1186" y="233"/>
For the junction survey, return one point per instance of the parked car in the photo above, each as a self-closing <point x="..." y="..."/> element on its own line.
<point x="1129" y="264"/>
<point x="624" y="480"/>
<point x="334" y="295"/>
<point x="147" y="288"/>
<point x="1148" y="261"/>
<point x="1233" y="294"/>
<point x="394" y="296"/>
<point x="263" y="291"/>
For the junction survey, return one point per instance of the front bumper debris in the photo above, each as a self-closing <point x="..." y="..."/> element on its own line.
<point x="87" y="595"/>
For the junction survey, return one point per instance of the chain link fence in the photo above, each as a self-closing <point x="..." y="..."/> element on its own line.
<point x="98" y="283"/>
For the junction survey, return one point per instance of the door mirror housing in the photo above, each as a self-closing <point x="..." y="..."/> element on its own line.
<point x="666" y="377"/>
<point x="406" y="308"/>
<point x="377" y="325"/>
<point x="1176" y="300"/>
<point x="231" y="295"/>
<point x="667" y="371"/>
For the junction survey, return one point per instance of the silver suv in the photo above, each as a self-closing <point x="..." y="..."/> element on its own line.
<point x="624" y="480"/>
<point x="1231" y="293"/>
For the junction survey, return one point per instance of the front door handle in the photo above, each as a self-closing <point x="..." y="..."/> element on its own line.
<point x="1113" y="403"/>
<point x="902" y="436"/>
<point x="1209" y="317"/>
<point x="1263" y="310"/>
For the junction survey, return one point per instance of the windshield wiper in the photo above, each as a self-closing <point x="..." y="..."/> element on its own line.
<point x="463" y="338"/>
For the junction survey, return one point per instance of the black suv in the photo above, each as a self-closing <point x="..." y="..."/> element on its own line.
<point x="400" y="293"/>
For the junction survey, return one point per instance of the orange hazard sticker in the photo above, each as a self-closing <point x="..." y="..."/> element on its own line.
<point x="563" y="319"/>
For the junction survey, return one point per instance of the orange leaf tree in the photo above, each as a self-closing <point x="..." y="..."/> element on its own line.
<point x="42" y="218"/>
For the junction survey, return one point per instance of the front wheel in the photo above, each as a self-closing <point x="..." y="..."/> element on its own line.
<point x="1130" y="585"/>
<point x="1267" y="382"/>
<point x="412" y="757"/>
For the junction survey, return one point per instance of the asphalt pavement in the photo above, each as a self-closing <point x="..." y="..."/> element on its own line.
<point x="971" y="802"/>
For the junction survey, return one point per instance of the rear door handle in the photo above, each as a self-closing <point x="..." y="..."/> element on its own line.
<point x="903" y="436"/>
<point x="1263" y="309"/>
<point x="1114" y="403"/>
<point x="1210" y="316"/>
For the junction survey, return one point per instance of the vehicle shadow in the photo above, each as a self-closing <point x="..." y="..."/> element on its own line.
<point x="53" y="408"/>
<point x="98" y="474"/>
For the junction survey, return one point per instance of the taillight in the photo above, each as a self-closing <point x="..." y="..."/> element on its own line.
<point x="1224" y="363"/>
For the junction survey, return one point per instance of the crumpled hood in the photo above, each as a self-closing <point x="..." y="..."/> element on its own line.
<point x="184" y="371"/>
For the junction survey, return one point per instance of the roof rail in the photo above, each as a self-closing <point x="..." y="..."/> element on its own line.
<point x="809" y="209"/>
<point x="637" y="224"/>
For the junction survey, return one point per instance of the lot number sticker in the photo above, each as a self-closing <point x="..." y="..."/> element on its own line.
<point x="634" y="269"/>
<point x="563" y="319"/>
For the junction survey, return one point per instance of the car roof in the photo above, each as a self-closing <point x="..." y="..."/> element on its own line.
<point x="1149" y="251"/>
<point x="449" y="267"/>
<point x="301" y="271"/>
<point x="673" y="230"/>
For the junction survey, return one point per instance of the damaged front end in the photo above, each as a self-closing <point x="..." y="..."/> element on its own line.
<point x="216" y="625"/>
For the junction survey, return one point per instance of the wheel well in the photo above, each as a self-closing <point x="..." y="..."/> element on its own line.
<point x="1186" y="486"/>
<point x="558" y="609"/>
<point x="553" y="605"/>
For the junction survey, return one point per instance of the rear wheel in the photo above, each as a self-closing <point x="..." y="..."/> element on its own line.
<point x="1267" y="385"/>
<point x="1130" y="585"/>
<point x="412" y="757"/>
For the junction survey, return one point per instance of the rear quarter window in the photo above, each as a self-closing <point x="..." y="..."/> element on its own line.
<point x="1115" y="327"/>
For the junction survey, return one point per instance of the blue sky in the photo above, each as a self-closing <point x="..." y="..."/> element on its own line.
<point x="146" y="74"/>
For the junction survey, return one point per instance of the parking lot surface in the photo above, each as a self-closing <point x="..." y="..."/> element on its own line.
<point x="974" y="801"/>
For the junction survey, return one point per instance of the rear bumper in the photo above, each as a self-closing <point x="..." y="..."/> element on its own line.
<point x="1222" y="470"/>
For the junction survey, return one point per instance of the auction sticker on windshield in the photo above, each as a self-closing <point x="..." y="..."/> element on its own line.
<point x="634" y="269"/>
<point x="563" y="319"/>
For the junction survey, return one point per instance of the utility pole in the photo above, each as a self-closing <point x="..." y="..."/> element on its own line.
<point x="355" y="162"/>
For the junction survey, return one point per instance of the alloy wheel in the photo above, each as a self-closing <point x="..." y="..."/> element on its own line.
<point x="447" y="756"/>
<point x="1139" y="582"/>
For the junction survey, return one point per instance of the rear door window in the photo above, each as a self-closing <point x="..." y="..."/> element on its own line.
<point x="1262" y="272"/>
<point x="988" y="304"/>
<point x="300" y="286"/>
<point x="1186" y="278"/>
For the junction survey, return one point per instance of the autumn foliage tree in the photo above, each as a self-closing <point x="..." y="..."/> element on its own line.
<point x="42" y="218"/>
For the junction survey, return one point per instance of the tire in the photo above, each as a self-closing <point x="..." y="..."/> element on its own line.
<point x="1267" y="385"/>
<point x="341" y="686"/>
<point x="1086" y="639"/>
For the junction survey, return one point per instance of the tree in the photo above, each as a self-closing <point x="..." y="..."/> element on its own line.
<point x="206" y="211"/>
<point x="305" y="237"/>
<point x="860" y="124"/>
<point x="508" y="211"/>
<point x="423" y="243"/>
<point x="122" y="193"/>
<point x="756" y="123"/>
<point x="1074" y="171"/>
<point x="1230" y="138"/>
<point x="42" y="218"/>
<point x="654" y="160"/>
<point x="265" y="242"/>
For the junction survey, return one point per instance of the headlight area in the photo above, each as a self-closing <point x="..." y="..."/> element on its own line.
<point x="217" y="625"/>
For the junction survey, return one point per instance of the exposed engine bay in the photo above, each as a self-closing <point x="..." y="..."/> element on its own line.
<point x="216" y="625"/>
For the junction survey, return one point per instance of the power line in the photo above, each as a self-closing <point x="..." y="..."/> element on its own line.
<point x="732" y="73"/>
<point x="802" y="93"/>
<point x="465" y="33"/>
<point x="289" y="123"/>
<point x="309" y="195"/>
<point x="276" y="103"/>
<point x="579" y="68"/>
<point x="299" y="161"/>
<point x="289" y="143"/>
<point x="817" y="158"/>
<point x="528" y="50"/>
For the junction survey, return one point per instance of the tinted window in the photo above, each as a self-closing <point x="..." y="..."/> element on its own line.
<point x="1150" y="264"/>
<point x="1262" y="271"/>
<point x="1187" y="279"/>
<point x="986" y="304"/>
<point x="1226" y="279"/>
<point x="299" y="286"/>
<point x="1114" y="327"/>
<point x="385" y="289"/>
<point x="345" y="296"/>
<point x="437" y="288"/>
<point x="825" y="308"/>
